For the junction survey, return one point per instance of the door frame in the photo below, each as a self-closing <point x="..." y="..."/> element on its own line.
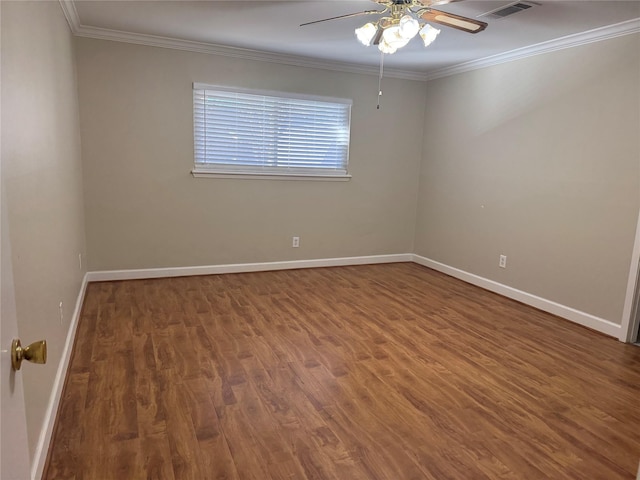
<point x="630" y="312"/>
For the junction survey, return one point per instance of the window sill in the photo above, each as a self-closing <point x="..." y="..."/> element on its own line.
<point x="270" y="176"/>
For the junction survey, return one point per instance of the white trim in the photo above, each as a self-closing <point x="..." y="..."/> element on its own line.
<point x="568" y="313"/>
<point x="628" y="312"/>
<point x="269" y="176"/>
<point x="271" y="93"/>
<point x="110" y="275"/>
<point x="576" y="316"/>
<point x="596" y="35"/>
<point x="274" y="132"/>
<point x="235" y="52"/>
<point x="42" y="448"/>
<point x="71" y="14"/>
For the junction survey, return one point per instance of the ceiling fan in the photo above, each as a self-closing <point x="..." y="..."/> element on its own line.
<point x="405" y="20"/>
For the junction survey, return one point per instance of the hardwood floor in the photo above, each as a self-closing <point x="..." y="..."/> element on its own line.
<point x="368" y="372"/>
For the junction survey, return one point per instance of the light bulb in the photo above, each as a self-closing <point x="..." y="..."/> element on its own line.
<point x="428" y="34"/>
<point x="409" y="27"/>
<point x="366" y="33"/>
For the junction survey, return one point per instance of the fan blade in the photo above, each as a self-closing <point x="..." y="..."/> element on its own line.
<point x="456" y="21"/>
<point x="431" y="3"/>
<point x="366" y="12"/>
<point x="378" y="37"/>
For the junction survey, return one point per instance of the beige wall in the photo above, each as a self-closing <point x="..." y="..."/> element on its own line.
<point x="42" y="178"/>
<point x="144" y="209"/>
<point x="538" y="159"/>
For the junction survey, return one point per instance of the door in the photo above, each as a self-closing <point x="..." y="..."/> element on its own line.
<point x="14" y="454"/>
<point x="635" y="338"/>
<point x="631" y="311"/>
<point x="633" y="334"/>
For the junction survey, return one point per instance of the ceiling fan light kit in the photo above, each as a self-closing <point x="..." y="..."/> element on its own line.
<point x="405" y="22"/>
<point x="407" y="19"/>
<point x="395" y="32"/>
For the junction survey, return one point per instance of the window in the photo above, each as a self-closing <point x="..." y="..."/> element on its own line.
<point x="242" y="132"/>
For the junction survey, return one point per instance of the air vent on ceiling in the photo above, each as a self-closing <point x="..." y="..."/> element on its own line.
<point x="509" y="9"/>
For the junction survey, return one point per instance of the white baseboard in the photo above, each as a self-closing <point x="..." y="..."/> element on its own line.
<point x="110" y="275"/>
<point x="42" y="448"/>
<point x="577" y="316"/>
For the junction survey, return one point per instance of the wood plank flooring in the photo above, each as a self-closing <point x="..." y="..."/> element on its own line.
<point x="368" y="372"/>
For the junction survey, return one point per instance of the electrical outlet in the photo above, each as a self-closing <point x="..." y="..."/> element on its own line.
<point x="503" y="261"/>
<point x="296" y="242"/>
<point x="61" y="314"/>
<point x="80" y="260"/>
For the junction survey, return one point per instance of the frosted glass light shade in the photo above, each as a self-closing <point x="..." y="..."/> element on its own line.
<point x="366" y="33"/>
<point x="409" y="27"/>
<point x="396" y="35"/>
<point x="385" y="47"/>
<point x="428" y="34"/>
<point x="393" y="37"/>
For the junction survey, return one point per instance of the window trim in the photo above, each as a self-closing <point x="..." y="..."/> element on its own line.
<point x="203" y="170"/>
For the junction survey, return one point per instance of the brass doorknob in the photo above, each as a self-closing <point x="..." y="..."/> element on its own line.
<point x="35" y="353"/>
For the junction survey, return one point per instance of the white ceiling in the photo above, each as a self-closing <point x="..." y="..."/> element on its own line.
<point x="272" y="27"/>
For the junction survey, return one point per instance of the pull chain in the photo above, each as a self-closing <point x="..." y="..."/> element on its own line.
<point x="380" y="79"/>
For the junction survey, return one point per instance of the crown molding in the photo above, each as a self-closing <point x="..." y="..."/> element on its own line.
<point x="80" y="30"/>
<point x="71" y="14"/>
<point x="235" y="52"/>
<point x="596" y="35"/>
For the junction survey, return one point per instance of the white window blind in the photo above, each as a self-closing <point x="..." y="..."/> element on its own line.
<point x="267" y="133"/>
